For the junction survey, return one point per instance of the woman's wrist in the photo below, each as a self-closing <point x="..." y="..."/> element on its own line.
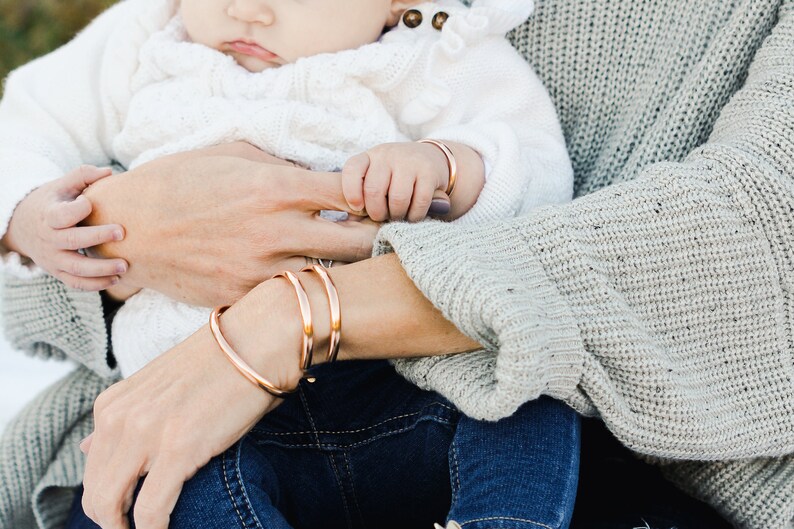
<point x="265" y="329"/>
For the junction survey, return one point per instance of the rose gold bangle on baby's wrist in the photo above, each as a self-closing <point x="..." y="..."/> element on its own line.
<point x="452" y="164"/>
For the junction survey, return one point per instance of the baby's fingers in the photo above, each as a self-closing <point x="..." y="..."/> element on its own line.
<point x="77" y="265"/>
<point x="88" y="284"/>
<point x="78" y="180"/>
<point x="88" y="236"/>
<point x="67" y="214"/>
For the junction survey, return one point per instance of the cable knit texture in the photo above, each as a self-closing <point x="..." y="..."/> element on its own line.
<point x="318" y="111"/>
<point x="661" y="298"/>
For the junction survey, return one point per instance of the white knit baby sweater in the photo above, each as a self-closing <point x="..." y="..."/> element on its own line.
<point x="156" y="93"/>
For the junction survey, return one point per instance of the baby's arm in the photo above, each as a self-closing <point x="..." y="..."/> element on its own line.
<point x="47" y="233"/>
<point x="407" y="181"/>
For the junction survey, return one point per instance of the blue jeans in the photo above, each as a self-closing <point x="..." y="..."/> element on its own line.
<point x="363" y="448"/>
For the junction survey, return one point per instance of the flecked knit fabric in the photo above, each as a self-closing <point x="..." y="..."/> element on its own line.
<point x="662" y="304"/>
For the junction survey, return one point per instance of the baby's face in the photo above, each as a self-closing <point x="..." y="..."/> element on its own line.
<point x="262" y="34"/>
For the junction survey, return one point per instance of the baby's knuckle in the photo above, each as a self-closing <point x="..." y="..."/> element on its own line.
<point x="422" y="201"/>
<point x="372" y="191"/>
<point x="399" y="199"/>
<point x="75" y="284"/>
<point x="71" y="239"/>
<point x="76" y="268"/>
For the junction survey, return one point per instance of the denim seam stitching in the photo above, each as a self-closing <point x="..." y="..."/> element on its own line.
<point x="229" y="491"/>
<point x="353" y="488"/>
<point x="330" y="456"/>
<point x="455" y="472"/>
<point x="509" y="519"/>
<point x="353" y="431"/>
<point x="442" y="420"/>
<point x="243" y="490"/>
<point x="342" y="491"/>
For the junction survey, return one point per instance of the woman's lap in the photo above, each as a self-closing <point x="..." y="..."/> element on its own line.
<point x="364" y="448"/>
<point x="361" y="447"/>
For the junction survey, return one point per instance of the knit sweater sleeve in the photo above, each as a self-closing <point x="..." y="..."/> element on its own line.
<point x="57" y="113"/>
<point x="663" y="305"/>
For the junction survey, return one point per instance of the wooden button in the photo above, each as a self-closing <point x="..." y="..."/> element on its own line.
<point x="439" y="20"/>
<point x="412" y="18"/>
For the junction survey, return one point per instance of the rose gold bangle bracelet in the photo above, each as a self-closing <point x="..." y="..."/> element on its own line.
<point x="334" y="308"/>
<point x="307" y="349"/>
<point x="239" y="363"/>
<point x="452" y="164"/>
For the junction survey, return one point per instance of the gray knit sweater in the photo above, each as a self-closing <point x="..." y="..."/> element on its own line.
<point x="661" y="303"/>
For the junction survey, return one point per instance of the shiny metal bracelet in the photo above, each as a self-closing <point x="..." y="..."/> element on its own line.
<point x="451" y="163"/>
<point x="241" y="365"/>
<point x="334" y="308"/>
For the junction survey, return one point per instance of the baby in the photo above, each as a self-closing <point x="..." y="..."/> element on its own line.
<point x="341" y="85"/>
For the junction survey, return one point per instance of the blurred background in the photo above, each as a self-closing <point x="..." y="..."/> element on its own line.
<point x="29" y="28"/>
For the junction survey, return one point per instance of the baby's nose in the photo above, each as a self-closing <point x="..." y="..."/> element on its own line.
<point x="252" y="11"/>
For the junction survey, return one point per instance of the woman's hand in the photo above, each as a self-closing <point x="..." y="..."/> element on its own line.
<point x="191" y="404"/>
<point x="206" y="227"/>
<point x="169" y="419"/>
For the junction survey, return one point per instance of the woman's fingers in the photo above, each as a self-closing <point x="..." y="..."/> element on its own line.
<point x="353" y="174"/>
<point x="159" y="494"/>
<point x="314" y="191"/>
<point x="87" y="236"/>
<point x="100" y="454"/>
<point x="113" y="498"/>
<point x="347" y="241"/>
<point x="85" y="444"/>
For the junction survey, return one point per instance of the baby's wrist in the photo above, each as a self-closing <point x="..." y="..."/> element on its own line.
<point x="466" y="177"/>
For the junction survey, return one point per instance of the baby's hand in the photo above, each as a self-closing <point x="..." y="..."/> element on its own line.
<point x="46" y="232"/>
<point x="396" y="181"/>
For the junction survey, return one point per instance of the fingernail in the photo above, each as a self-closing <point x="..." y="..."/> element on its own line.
<point x="118" y="235"/>
<point x="121" y="268"/>
<point x="439" y="207"/>
<point x="115" y="281"/>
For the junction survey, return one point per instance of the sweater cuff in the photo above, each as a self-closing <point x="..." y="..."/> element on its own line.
<point x="45" y="318"/>
<point x="493" y="288"/>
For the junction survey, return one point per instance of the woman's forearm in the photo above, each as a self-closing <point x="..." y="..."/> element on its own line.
<point x="384" y="316"/>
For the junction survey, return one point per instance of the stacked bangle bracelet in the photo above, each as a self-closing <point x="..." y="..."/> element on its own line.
<point x="241" y="365"/>
<point x="335" y="309"/>
<point x="307" y="345"/>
